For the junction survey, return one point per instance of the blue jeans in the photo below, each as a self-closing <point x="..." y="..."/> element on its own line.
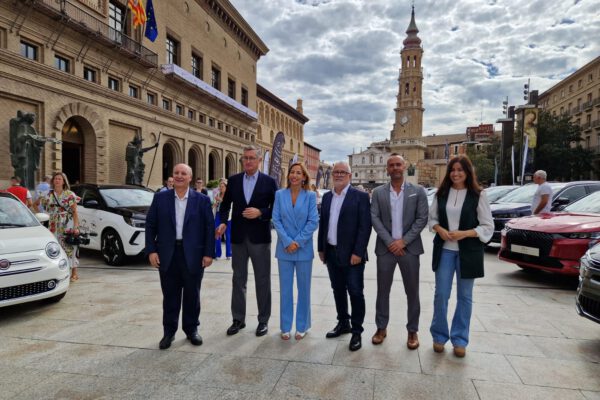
<point x="218" y="250"/>
<point x="303" y="271"/>
<point x="459" y="333"/>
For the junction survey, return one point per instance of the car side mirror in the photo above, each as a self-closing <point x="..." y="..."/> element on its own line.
<point x="561" y="201"/>
<point x="91" y="204"/>
<point x="42" y="217"/>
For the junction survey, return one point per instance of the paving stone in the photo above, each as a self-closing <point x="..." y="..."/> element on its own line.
<point x="502" y="343"/>
<point x="392" y="354"/>
<point x="12" y="380"/>
<point x="24" y="352"/>
<point x="557" y="373"/>
<point x="502" y="391"/>
<point x="310" y="349"/>
<point x="570" y="349"/>
<point x="591" y="395"/>
<point x="309" y="381"/>
<point x="396" y="385"/>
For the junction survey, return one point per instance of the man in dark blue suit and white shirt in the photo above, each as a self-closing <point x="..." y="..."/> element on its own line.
<point x="180" y="242"/>
<point x="251" y="194"/>
<point x="344" y="231"/>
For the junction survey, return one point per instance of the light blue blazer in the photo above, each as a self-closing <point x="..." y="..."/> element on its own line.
<point x="295" y="223"/>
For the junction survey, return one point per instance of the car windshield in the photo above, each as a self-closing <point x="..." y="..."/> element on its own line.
<point x="495" y="192"/>
<point x="14" y="214"/>
<point x="122" y="197"/>
<point x="524" y="194"/>
<point x="589" y="204"/>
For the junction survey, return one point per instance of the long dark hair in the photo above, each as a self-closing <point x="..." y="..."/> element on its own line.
<point x="305" y="181"/>
<point x="471" y="181"/>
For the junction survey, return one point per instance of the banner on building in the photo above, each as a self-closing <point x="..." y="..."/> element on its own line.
<point x="277" y="157"/>
<point x="524" y="163"/>
<point x="265" y="166"/>
<point x="479" y="133"/>
<point x="151" y="31"/>
<point x="530" y="126"/>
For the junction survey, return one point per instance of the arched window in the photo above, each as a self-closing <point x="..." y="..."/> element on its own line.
<point x="363" y="160"/>
<point x="407" y="88"/>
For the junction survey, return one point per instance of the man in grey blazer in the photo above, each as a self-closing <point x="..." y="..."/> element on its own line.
<point x="399" y="213"/>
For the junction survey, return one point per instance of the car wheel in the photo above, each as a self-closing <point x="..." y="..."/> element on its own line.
<point x="112" y="248"/>
<point x="56" y="298"/>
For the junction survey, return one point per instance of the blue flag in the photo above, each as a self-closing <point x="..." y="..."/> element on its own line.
<point x="151" y="29"/>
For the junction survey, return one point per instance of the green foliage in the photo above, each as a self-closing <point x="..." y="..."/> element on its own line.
<point x="483" y="160"/>
<point x="559" y="150"/>
<point x="212" y="184"/>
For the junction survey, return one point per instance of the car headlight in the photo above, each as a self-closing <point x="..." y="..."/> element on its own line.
<point x="63" y="264"/>
<point x="53" y="250"/>
<point x="583" y="235"/>
<point x="135" y="222"/>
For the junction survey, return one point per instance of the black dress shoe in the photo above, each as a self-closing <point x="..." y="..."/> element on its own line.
<point x="355" y="342"/>
<point x="340" y="329"/>
<point x="262" y="329"/>
<point x="195" y="339"/>
<point x="165" y="342"/>
<point x="235" y="327"/>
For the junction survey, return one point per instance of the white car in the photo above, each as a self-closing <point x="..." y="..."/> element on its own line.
<point x="33" y="266"/>
<point x="115" y="217"/>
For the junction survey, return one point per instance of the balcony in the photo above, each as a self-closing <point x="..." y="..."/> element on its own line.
<point x="596" y="101"/>
<point x="79" y="20"/>
<point x="407" y="143"/>
<point x="586" y="126"/>
<point x="588" y="105"/>
<point x="595" y="124"/>
<point x="577" y="110"/>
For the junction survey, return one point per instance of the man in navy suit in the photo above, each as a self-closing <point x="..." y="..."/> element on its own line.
<point x="344" y="231"/>
<point x="251" y="193"/>
<point x="180" y="242"/>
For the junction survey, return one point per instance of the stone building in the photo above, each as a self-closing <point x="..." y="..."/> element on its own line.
<point x="312" y="158"/>
<point x="275" y="116"/>
<point x="578" y="96"/>
<point x="369" y="166"/>
<point x="93" y="82"/>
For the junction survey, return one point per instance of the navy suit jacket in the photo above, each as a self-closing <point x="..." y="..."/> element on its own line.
<point x="354" y="226"/>
<point x="198" y="229"/>
<point x="258" y="230"/>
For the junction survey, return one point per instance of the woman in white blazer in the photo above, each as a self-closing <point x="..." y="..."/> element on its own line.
<point x="295" y="219"/>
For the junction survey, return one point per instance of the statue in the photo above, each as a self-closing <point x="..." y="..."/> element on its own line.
<point x="411" y="170"/>
<point x="135" y="165"/>
<point x="25" y="147"/>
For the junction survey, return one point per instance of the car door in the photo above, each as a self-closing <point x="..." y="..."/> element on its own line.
<point x="89" y="215"/>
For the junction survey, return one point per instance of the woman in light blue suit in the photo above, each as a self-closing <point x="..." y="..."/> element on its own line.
<point x="295" y="219"/>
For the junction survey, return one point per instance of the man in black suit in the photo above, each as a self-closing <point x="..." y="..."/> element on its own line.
<point x="180" y="243"/>
<point x="344" y="231"/>
<point x="251" y="193"/>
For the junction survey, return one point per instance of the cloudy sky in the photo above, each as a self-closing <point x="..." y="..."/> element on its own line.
<point x="342" y="58"/>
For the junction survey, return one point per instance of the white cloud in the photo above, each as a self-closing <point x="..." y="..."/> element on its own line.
<point x="342" y="58"/>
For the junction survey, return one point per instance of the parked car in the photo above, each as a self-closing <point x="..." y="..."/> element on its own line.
<point x="33" y="266"/>
<point x="494" y="193"/>
<point x="518" y="202"/>
<point x="588" y="291"/>
<point x="553" y="241"/>
<point x="116" y="214"/>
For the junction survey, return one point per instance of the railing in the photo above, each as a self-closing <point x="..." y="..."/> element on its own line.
<point x="596" y="101"/>
<point x="81" y="21"/>
<point x="407" y="143"/>
<point x="588" y="104"/>
<point x="585" y="126"/>
<point x="595" y="123"/>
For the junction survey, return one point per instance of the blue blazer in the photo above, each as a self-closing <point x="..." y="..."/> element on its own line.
<point x="295" y="223"/>
<point x="198" y="229"/>
<point x="354" y="225"/>
<point x="258" y="230"/>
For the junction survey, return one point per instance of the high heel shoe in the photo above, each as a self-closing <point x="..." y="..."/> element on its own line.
<point x="285" y="335"/>
<point x="300" y="335"/>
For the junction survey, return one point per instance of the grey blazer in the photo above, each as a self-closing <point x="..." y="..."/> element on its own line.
<point x="414" y="217"/>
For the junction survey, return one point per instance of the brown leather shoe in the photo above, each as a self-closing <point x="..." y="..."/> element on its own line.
<point x="438" y="347"/>
<point x="460" y="352"/>
<point x="413" y="340"/>
<point x="379" y="336"/>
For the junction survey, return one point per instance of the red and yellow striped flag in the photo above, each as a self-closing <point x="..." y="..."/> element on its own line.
<point x="138" y="12"/>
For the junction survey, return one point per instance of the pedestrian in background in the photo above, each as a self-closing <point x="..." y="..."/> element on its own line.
<point x="295" y="219"/>
<point x="461" y="217"/>
<point x="61" y="205"/>
<point x="542" y="199"/>
<point x="42" y="189"/>
<point x="20" y="192"/>
<point x="200" y="187"/>
<point x="227" y="234"/>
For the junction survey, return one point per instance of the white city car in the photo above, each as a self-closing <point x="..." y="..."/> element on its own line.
<point x="115" y="215"/>
<point x="33" y="266"/>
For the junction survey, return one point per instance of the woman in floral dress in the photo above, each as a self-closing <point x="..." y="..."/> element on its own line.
<point x="61" y="205"/>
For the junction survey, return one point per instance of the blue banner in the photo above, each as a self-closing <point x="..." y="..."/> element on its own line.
<point x="277" y="157"/>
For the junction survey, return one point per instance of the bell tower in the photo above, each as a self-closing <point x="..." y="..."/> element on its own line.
<point x="407" y="132"/>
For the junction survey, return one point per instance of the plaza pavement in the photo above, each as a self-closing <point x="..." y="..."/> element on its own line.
<point x="101" y="342"/>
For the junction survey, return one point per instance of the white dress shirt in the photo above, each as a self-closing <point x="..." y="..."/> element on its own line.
<point x="334" y="214"/>
<point x="180" y="206"/>
<point x="456" y="199"/>
<point x="397" y="207"/>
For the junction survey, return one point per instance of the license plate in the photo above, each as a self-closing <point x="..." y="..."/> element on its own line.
<point x="531" y="251"/>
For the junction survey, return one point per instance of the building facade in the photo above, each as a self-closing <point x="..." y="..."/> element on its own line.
<point x="275" y="116"/>
<point x="369" y="166"/>
<point x="94" y="83"/>
<point x="312" y="157"/>
<point x="578" y="96"/>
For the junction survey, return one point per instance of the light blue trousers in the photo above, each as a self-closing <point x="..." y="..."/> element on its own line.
<point x="303" y="271"/>
<point x="459" y="332"/>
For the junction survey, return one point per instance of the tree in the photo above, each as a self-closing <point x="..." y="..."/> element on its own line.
<point x="559" y="150"/>
<point x="483" y="160"/>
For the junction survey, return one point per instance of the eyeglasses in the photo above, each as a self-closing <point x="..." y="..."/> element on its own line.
<point x="340" y="173"/>
<point x="245" y="158"/>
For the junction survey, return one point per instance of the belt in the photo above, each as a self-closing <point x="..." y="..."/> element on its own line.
<point x="331" y="246"/>
<point x="179" y="242"/>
